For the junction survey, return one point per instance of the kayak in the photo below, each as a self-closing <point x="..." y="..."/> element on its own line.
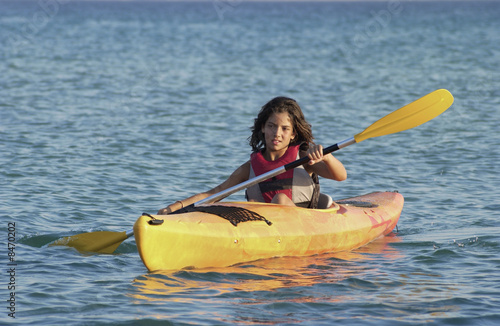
<point x="227" y="233"/>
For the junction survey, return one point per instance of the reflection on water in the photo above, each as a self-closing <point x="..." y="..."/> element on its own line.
<point x="261" y="275"/>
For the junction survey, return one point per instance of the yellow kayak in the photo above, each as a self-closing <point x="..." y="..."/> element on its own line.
<point x="227" y="233"/>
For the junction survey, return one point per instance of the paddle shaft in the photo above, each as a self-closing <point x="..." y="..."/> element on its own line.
<point x="258" y="179"/>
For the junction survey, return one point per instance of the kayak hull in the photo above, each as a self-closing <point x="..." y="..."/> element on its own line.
<point x="198" y="240"/>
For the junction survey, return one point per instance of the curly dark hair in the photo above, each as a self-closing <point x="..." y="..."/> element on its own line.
<point x="280" y="105"/>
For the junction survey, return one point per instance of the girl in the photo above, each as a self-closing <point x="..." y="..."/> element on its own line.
<point x="280" y="135"/>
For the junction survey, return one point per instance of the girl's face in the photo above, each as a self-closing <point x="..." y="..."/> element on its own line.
<point x="278" y="133"/>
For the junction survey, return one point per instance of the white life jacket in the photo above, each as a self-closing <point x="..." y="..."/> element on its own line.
<point x="297" y="184"/>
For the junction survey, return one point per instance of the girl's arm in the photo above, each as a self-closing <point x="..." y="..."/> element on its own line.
<point x="326" y="166"/>
<point x="238" y="176"/>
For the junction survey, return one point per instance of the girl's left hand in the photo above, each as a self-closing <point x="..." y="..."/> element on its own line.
<point x="315" y="153"/>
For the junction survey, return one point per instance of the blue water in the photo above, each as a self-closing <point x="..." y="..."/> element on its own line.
<point x="109" y="109"/>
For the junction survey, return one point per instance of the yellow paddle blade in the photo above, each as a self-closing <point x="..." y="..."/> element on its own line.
<point x="104" y="242"/>
<point x="410" y="116"/>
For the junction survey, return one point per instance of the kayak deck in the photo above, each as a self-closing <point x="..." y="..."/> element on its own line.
<point x="198" y="239"/>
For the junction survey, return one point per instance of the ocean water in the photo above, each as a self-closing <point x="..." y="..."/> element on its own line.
<point x="109" y="109"/>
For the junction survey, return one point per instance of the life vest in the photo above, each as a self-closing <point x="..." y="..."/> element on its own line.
<point x="297" y="184"/>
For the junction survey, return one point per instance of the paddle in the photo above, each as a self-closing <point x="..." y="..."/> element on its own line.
<point x="104" y="242"/>
<point x="410" y="116"/>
